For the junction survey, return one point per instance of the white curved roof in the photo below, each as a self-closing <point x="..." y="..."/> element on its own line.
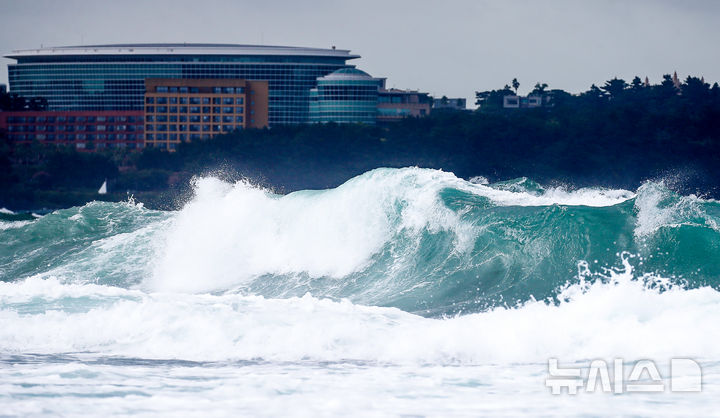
<point x="349" y="74"/>
<point x="182" y="49"/>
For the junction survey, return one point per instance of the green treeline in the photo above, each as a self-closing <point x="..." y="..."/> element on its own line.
<point x="617" y="135"/>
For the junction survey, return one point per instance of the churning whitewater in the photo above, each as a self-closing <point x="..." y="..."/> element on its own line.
<point x="401" y="285"/>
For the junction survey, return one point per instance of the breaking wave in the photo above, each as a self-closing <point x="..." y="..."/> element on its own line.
<point x="396" y="265"/>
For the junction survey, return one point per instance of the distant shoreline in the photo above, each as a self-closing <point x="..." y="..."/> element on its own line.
<point x="615" y="136"/>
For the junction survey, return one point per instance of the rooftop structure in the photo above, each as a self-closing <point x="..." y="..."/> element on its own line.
<point x="191" y="49"/>
<point x="112" y="77"/>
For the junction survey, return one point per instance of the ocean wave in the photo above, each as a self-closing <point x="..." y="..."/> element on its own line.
<point x="420" y="240"/>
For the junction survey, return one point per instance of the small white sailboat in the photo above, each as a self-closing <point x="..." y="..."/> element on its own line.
<point x="103" y="188"/>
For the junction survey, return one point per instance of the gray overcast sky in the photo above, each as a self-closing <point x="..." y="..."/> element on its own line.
<point x="446" y="47"/>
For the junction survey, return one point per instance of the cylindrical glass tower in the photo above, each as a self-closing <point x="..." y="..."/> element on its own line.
<point x="347" y="95"/>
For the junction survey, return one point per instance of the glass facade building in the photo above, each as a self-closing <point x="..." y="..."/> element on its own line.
<point x="112" y="77"/>
<point x="347" y="95"/>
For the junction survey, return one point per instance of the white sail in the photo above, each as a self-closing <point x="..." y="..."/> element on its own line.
<point x="103" y="188"/>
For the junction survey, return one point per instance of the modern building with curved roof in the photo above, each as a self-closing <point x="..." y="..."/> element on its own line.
<point x="347" y="95"/>
<point x="112" y="77"/>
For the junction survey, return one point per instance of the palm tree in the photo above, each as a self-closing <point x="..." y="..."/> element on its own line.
<point x="540" y="88"/>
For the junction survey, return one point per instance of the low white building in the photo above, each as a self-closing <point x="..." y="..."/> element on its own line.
<point x="525" y="102"/>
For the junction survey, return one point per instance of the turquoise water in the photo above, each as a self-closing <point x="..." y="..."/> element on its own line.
<point x="403" y="291"/>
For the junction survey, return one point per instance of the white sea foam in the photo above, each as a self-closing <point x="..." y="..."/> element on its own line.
<point x="328" y="390"/>
<point x="39" y="289"/>
<point x="596" y="197"/>
<point x="13" y="224"/>
<point x="657" y="207"/>
<point x="617" y="318"/>
<point x="479" y="180"/>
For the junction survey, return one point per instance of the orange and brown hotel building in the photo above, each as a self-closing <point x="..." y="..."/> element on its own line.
<point x="182" y="110"/>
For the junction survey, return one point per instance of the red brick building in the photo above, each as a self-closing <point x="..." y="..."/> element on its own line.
<point x="85" y="130"/>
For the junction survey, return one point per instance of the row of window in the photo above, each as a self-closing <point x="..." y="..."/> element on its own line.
<point x="179" y="137"/>
<point x="78" y="137"/>
<point x="184" y="89"/>
<point x="191" y="128"/>
<point x="330" y="112"/>
<point x="194" y="109"/>
<point x="412" y="99"/>
<point x="73" y="128"/>
<point x="195" y="100"/>
<point x="73" y="119"/>
<point x="194" y="118"/>
<point x="290" y="113"/>
<point x="131" y="59"/>
<point x="344" y="110"/>
<point x="98" y="145"/>
<point x="394" y="111"/>
<point x="369" y="99"/>
<point x="348" y="88"/>
<point x="168" y="71"/>
<point x="344" y="104"/>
